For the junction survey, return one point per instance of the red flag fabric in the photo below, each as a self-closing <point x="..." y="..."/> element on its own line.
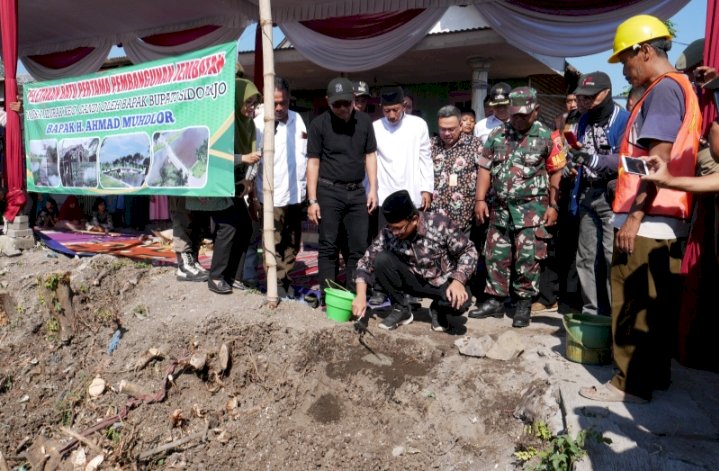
<point x="14" y="163"/>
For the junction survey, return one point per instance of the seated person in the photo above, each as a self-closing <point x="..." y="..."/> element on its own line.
<point x="47" y="214"/>
<point x="101" y="220"/>
<point x="71" y="216"/>
<point x="417" y="254"/>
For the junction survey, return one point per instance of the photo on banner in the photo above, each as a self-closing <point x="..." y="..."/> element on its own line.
<point x="161" y="128"/>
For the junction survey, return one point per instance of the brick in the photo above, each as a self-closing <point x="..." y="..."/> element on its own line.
<point x="18" y="226"/>
<point x="20" y="218"/>
<point x="24" y="243"/>
<point x="16" y="234"/>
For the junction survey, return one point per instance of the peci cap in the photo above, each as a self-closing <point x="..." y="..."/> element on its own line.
<point x="340" y="89"/>
<point x="691" y="57"/>
<point x="592" y="83"/>
<point x="361" y="88"/>
<point x="398" y="207"/>
<point x="499" y="94"/>
<point x="391" y="96"/>
<point x="522" y="100"/>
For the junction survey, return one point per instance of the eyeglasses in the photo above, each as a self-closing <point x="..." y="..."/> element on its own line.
<point x="341" y="104"/>
<point x="396" y="231"/>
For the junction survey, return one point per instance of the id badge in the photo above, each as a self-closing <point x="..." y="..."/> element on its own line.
<point x="453" y="179"/>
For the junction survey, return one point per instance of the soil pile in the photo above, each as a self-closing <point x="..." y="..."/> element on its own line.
<point x="184" y="379"/>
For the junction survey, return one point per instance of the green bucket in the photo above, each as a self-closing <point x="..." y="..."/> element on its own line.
<point x="339" y="304"/>
<point x="589" y="338"/>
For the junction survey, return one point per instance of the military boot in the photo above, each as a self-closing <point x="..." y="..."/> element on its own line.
<point x="522" y="313"/>
<point x="492" y="307"/>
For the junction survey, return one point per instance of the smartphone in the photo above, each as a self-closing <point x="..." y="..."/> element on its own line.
<point x="572" y="139"/>
<point x="634" y="165"/>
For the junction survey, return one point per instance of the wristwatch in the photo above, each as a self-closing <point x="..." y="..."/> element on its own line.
<point x="311" y="202"/>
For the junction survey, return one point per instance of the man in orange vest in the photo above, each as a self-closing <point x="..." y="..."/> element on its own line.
<point x="652" y="222"/>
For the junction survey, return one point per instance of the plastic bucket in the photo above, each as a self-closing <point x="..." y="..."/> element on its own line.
<point x="339" y="304"/>
<point x="589" y="338"/>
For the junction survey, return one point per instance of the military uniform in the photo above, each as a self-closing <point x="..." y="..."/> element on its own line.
<point x="518" y="165"/>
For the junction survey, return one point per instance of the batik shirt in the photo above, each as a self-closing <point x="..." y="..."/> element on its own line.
<point x="518" y="166"/>
<point x="455" y="178"/>
<point x="438" y="251"/>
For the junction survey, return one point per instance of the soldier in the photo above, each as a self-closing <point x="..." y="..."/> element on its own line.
<point x="516" y="160"/>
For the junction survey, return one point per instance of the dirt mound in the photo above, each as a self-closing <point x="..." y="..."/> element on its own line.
<point x="299" y="392"/>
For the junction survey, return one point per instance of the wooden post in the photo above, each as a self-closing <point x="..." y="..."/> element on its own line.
<point x="268" y="153"/>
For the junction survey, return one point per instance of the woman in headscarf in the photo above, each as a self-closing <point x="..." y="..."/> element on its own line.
<point x="71" y="215"/>
<point x="48" y="214"/>
<point x="230" y="215"/>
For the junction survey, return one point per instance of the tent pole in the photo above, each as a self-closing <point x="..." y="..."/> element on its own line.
<point x="268" y="153"/>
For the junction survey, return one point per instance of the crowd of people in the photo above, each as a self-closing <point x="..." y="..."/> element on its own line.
<point x="487" y="217"/>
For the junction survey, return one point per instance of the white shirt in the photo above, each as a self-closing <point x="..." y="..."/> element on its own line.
<point x="485" y="126"/>
<point x="404" y="160"/>
<point x="290" y="163"/>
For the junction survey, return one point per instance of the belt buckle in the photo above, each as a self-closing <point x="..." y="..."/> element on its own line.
<point x="352" y="186"/>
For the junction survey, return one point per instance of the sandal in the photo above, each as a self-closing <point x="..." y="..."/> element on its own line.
<point x="609" y="393"/>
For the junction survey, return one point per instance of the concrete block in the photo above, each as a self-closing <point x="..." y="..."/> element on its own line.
<point x="17" y="234"/>
<point x="21" y="218"/>
<point x="8" y="247"/>
<point x="24" y="243"/>
<point x="18" y="226"/>
<point x="508" y="346"/>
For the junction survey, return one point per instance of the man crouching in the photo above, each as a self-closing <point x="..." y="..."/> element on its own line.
<point x="417" y="254"/>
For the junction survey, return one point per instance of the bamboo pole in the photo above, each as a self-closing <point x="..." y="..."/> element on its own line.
<point x="268" y="153"/>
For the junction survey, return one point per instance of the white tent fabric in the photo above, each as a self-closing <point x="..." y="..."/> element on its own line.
<point x="138" y="51"/>
<point x="87" y="65"/>
<point x="344" y="55"/>
<point x="566" y="36"/>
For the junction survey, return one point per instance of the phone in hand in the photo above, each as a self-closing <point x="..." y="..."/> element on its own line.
<point x="634" y="166"/>
<point x="572" y="139"/>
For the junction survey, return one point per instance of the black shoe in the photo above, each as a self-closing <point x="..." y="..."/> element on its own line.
<point x="377" y="299"/>
<point x="439" y="319"/>
<point x="188" y="269"/>
<point x="522" y="313"/>
<point x="400" y="315"/>
<point x="490" y="308"/>
<point x="219" y="286"/>
<point x="238" y="285"/>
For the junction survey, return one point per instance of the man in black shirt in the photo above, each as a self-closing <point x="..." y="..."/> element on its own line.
<point x="341" y="147"/>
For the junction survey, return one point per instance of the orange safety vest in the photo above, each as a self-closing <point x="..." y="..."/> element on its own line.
<point x="672" y="203"/>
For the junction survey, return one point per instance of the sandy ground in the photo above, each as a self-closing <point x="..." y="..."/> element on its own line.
<point x="300" y="391"/>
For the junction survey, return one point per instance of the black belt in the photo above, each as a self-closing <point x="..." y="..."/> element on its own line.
<point x="349" y="186"/>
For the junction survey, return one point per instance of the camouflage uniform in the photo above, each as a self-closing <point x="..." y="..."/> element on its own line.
<point x="518" y="166"/>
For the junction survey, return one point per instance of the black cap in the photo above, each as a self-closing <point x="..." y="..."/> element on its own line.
<point x="340" y="89"/>
<point x="499" y="94"/>
<point x="398" y="207"/>
<point x="391" y="95"/>
<point x="592" y="83"/>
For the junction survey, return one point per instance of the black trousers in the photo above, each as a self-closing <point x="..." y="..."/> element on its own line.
<point x="233" y="228"/>
<point x="396" y="280"/>
<point x="341" y="207"/>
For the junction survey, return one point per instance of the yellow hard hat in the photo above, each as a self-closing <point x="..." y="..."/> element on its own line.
<point x="637" y="30"/>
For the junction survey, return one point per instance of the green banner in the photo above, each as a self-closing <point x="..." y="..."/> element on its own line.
<point x="161" y="128"/>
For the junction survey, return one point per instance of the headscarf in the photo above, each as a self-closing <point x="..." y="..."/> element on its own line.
<point x="71" y="214"/>
<point x="245" y="140"/>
